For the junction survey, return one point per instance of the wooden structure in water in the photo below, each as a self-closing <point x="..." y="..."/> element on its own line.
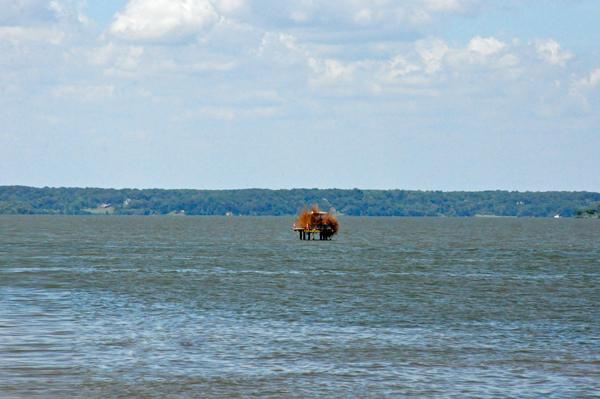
<point x="306" y="234"/>
<point x="310" y="231"/>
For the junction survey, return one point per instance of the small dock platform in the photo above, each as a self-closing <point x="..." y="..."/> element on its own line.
<point x="316" y="223"/>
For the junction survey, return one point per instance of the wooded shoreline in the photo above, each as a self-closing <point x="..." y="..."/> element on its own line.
<point x="264" y="202"/>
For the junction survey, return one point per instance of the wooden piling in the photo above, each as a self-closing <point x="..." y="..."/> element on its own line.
<point x="311" y="234"/>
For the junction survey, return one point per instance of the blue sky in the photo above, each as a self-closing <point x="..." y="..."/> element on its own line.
<point x="214" y="94"/>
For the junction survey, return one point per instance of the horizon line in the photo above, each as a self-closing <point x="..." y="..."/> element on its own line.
<point x="297" y="188"/>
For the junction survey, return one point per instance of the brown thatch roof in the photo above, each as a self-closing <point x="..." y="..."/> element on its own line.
<point x="317" y="219"/>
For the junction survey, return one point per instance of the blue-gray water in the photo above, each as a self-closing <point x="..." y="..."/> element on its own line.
<point x="181" y="307"/>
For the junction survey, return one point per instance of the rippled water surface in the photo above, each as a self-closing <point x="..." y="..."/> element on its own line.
<point x="180" y="307"/>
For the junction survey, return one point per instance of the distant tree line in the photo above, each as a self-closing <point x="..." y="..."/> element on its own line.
<point x="355" y="202"/>
<point x="591" y="212"/>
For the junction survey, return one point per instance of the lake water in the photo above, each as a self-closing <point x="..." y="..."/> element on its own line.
<point x="181" y="307"/>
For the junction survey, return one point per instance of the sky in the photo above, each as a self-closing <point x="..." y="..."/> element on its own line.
<point x="232" y="94"/>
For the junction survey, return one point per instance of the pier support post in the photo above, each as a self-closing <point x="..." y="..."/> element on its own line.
<point x="305" y="234"/>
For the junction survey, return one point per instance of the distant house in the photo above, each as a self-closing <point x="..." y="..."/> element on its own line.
<point x="104" y="206"/>
<point x="127" y="201"/>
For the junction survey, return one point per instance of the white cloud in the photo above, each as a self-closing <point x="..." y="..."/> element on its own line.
<point x="399" y="67"/>
<point x="28" y="21"/>
<point x="510" y="64"/>
<point x="30" y="25"/>
<point x="299" y="16"/>
<point x="432" y="53"/>
<point x="508" y="61"/>
<point x="352" y="79"/>
<point x="593" y="80"/>
<point x="172" y="21"/>
<point x="479" y="53"/>
<point x="333" y="70"/>
<point x="362" y="19"/>
<point x="37" y="40"/>
<point x="433" y="67"/>
<point x="485" y="47"/>
<point x="282" y="50"/>
<point x="364" y="16"/>
<point x="582" y="91"/>
<point x="125" y="57"/>
<point x="230" y="7"/>
<point x="551" y="52"/>
<point x="67" y="13"/>
<point x="163" y="20"/>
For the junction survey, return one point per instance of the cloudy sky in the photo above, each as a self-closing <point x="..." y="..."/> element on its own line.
<point x="409" y="94"/>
